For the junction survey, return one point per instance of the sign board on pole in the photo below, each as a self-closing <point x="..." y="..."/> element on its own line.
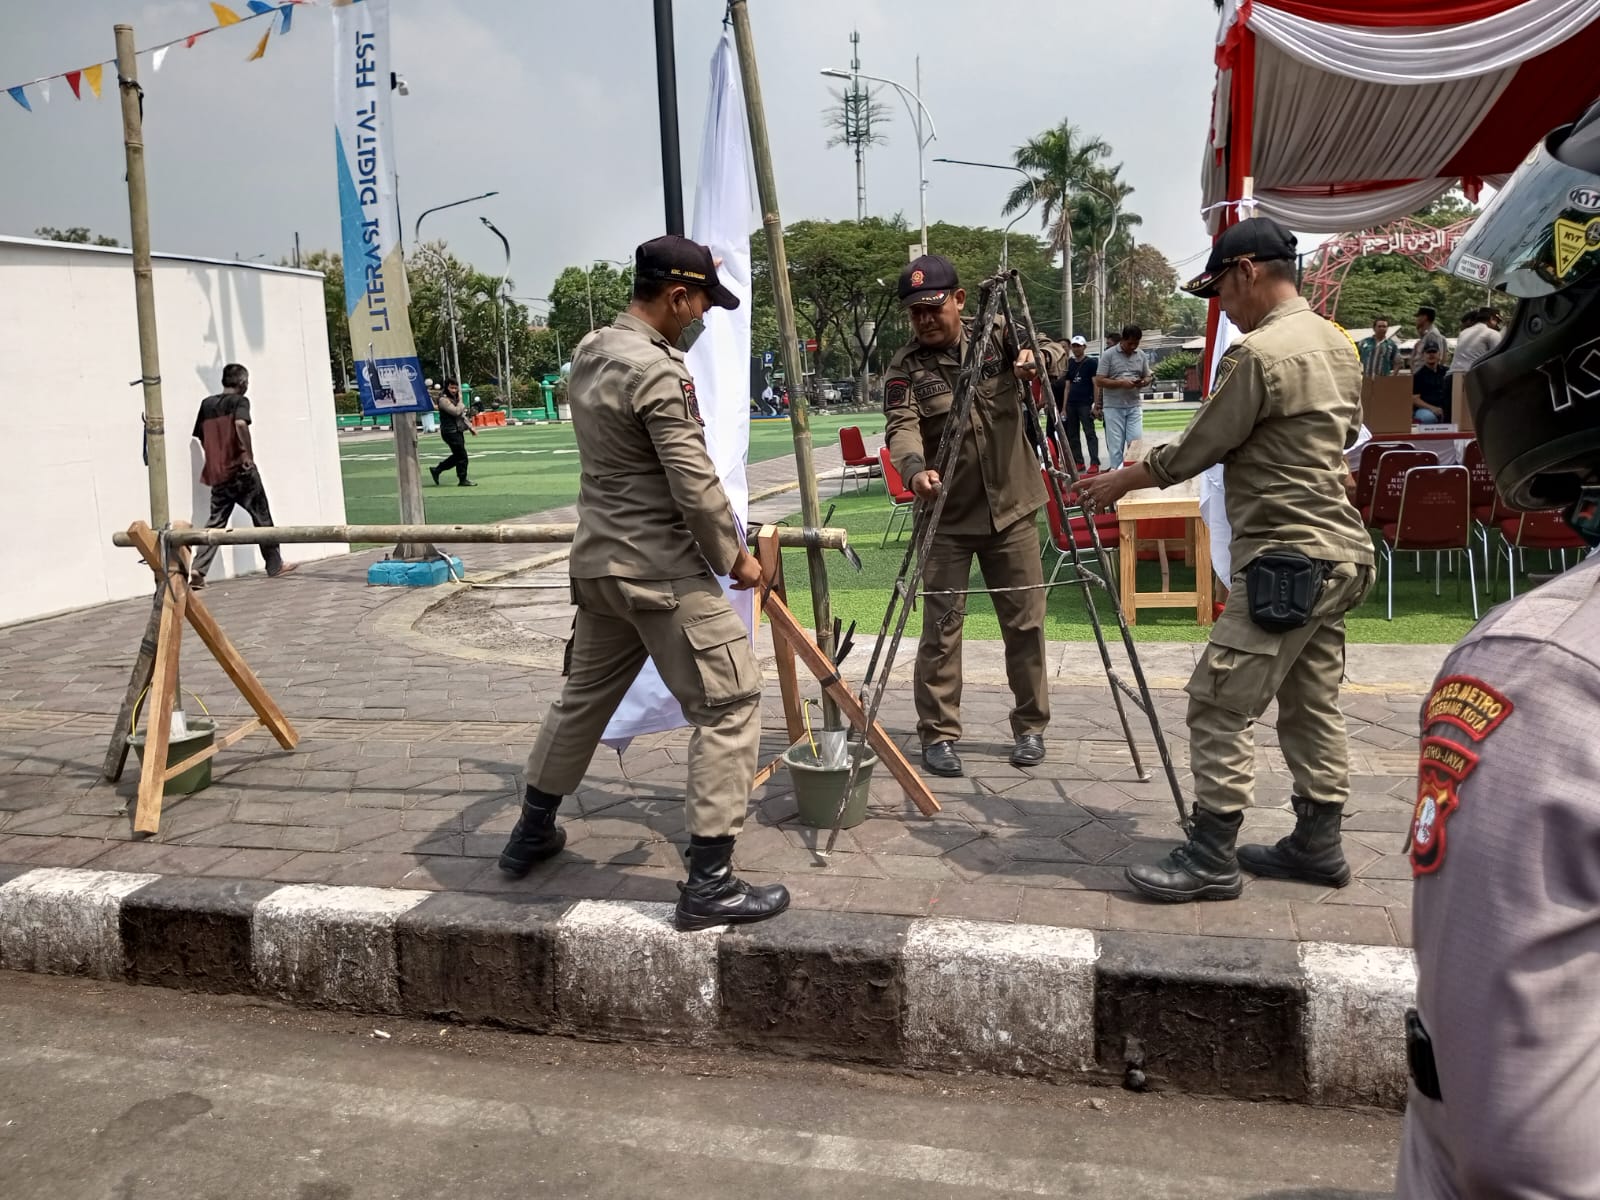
<point x="766" y="358"/>
<point x="811" y="345"/>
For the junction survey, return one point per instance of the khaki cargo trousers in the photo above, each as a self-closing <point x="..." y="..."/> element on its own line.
<point x="703" y="652"/>
<point x="1007" y="558"/>
<point x="1244" y="667"/>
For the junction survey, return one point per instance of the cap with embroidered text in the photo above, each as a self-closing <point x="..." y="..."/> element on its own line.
<point x="1260" y="239"/>
<point x="674" y="259"/>
<point x="927" y="280"/>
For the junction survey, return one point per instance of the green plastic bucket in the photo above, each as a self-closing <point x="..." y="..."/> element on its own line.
<point x="198" y="777"/>
<point x="817" y="788"/>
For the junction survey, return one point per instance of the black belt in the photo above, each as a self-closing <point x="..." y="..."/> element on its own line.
<point x="1419" y="1057"/>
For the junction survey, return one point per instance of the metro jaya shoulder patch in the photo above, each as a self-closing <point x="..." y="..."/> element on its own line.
<point x="1443" y="768"/>
<point x="1469" y="704"/>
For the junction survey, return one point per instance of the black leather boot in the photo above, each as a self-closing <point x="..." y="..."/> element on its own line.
<point x="536" y="836"/>
<point x="714" y="895"/>
<point x="1311" y="854"/>
<point x="1203" y="868"/>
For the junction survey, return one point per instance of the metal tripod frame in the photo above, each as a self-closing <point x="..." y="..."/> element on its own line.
<point x="993" y="301"/>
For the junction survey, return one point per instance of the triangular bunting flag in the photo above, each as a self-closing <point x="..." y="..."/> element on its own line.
<point x="225" y="15"/>
<point x="260" y="7"/>
<point x="288" y="15"/>
<point x="73" y="79"/>
<point x="188" y="42"/>
<point x="20" y="97"/>
<point x="92" y="74"/>
<point x="261" y="46"/>
<point x="159" y="57"/>
<point x="44" y="90"/>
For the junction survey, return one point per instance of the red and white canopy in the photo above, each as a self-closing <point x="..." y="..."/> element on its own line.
<point x="1346" y="114"/>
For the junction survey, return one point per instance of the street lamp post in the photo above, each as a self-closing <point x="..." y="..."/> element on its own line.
<point x="505" y="323"/>
<point x="449" y="288"/>
<point x="908" y="96"/>
<point x="1116" y="216"/>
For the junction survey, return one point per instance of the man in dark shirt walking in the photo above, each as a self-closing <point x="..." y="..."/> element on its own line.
<point x="223" y="430"/>
<point x="453" y="428"/>
<point x="1075" y="393"/>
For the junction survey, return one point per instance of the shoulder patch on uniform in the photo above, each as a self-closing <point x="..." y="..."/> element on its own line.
<point x="1442" y="769"/>
<point x="1469" y="704"/>
<point x="1225" y="368"/>
<point x="692" y="400"/>
<point x="896" y="393"/>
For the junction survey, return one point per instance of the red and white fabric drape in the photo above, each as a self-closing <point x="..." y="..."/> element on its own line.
<point x="1344" y="116"/>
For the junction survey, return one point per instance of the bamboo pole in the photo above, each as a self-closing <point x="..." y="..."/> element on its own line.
<point x="144" y="295"/>
<point x="824" y="539"/>
<point x="788" y="334"/>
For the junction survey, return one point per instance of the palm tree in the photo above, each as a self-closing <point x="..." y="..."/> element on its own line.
<point x="1056" y="162"/>
<point x="1101" y="212"/>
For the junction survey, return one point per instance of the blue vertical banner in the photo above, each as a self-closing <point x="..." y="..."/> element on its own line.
<point x="375" y="293"/>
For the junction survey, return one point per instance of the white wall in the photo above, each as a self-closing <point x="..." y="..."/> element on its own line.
<point x="69" y="349"/>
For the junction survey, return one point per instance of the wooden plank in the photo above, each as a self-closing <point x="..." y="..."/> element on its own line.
<point x="766" y="772"/>
<point x="1127" y="529"/>
<point x="222" y="743"/>
<point x="138" y="680"/>
<point x="770" y="556"/>
<point x="158" y="712"/>
<point x="822" y="667"/>
<point x="1205" y="606"/>
<point x="231" y="661"/>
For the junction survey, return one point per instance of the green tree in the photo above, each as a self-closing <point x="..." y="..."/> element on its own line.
<point x="331" y="264"/>
<point x="1186" y="315"/>
<point x="581" y="300"/>
<point x="1058" y="161"/>
<point x="1139" y="288"/>
<point x="77" y="234"/>
<point x="1103" y="225"/>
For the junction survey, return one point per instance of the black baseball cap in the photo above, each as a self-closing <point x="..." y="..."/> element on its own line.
<point x="675" y="259"/>
<point x="927" y="280"/>
<point x="1260" y="239"/>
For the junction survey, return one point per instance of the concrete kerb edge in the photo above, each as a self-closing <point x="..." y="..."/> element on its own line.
<point x="1317" y="1022"/>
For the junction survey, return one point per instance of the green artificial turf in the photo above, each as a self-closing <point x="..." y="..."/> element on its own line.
<point x="1420" y="617"/>
<point x="519" y="470"/>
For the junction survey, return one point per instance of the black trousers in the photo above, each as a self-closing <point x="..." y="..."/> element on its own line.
<point x="245" y="490"/>
<point x="457" y="441"/>
<point x="1082" y="415"/>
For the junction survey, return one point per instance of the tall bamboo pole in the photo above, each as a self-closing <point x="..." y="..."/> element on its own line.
<point x="144" y="294"/>
<point x="788" y="334"/>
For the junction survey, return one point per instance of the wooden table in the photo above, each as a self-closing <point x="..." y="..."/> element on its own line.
<point x="1150" y="504"/>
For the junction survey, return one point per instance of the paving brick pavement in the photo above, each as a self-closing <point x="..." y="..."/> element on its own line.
<point x="407" y="775"/>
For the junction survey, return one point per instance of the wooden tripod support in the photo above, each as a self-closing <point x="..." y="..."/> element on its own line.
<point x="157" y="669"/>
<point x="790" y="641"/>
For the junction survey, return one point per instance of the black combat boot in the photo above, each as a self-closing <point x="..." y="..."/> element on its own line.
<point x="536" y="837"/>
<point x="1311" y="854"/>
<point x="714" y="895"/>
<point x="1203" y="868"/>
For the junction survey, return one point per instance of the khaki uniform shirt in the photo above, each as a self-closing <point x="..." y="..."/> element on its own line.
<point x="996" y="479"/>
<point x="650" y="505"/>
<point x="1285" y="405"/>
<point x="1505" y="851"/>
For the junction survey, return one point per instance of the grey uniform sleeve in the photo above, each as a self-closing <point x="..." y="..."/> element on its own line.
<point x="1506" y="853"/>
<point x="1237" y="403"/>
<point x="664" y="399"/>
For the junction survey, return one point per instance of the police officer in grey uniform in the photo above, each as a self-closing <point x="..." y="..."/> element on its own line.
<point x="991" y="512"/>
<point x="1505" y="840"/>
<point x="1284" y="406"/>
<point x="654" y="530"/>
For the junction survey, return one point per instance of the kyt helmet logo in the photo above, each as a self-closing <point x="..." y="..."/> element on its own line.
<point x="1574" y="376"/>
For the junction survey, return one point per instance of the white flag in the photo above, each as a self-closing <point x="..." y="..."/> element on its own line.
<point x="159" y="57"/>
<point x="720" y="359"/>
<point x="1213" y="500"/>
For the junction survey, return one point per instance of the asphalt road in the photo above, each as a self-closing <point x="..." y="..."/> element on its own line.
<point x="115" y="1093"/>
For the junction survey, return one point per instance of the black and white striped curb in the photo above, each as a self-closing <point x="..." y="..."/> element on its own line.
<point x="1314" y="1022"/>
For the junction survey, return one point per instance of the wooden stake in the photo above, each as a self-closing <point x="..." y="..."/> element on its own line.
<point x="143" y="666"/>
<point x="771" y="559"/>
<point x="158" y="713"/>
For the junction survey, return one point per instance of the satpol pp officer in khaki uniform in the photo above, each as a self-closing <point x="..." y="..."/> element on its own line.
<point x="1505" y="840"/>
<point x="995" y="496"/>
<point x="1285" y="404"/>
<point x="654" y="530"/>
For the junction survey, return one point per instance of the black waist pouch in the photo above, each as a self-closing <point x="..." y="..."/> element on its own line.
<point x="1282" y="588"/>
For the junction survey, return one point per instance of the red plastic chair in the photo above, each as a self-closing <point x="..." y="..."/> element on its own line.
<point x="854" y="450"/>
<point x="1435" y="513"/>
<point x="1074" y="535"/>
<point x="1384" y="504"/>
<point x="901" y="498"/>
<point x="1546" y="530"/>
<point x="1488" y="510"/>
<point x="1367" y="471"/>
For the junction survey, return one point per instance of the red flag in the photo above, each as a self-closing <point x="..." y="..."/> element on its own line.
<point x="73" y="79"/>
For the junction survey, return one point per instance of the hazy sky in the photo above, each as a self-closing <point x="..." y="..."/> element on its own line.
<point x="554" y="105"/>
